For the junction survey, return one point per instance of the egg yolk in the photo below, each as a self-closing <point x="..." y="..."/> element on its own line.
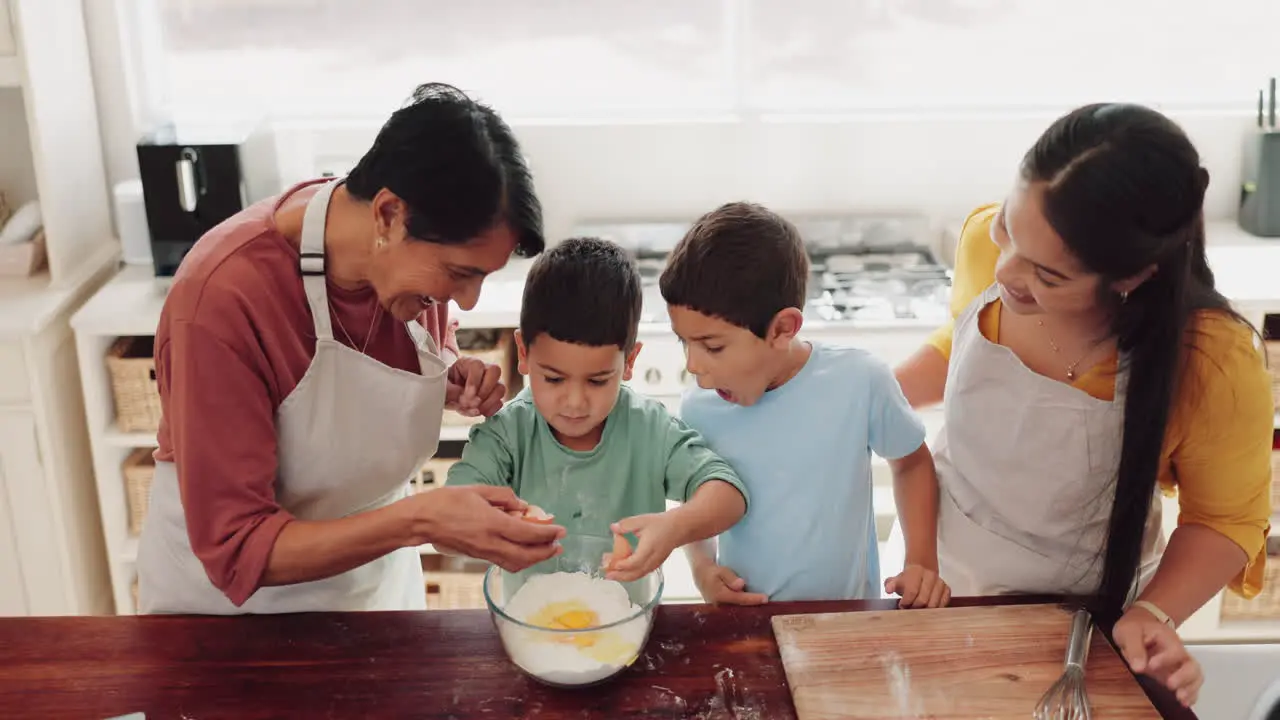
<point x="568" y="615"/>
<point x="603" y="646"/>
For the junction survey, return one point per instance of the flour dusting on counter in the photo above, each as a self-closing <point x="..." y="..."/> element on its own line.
<point x="565" y="602"/>
<point x="899" y="676"/>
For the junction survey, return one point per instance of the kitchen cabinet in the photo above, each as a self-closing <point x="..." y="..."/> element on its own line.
<point x="51" y="544"/>
<point x="51" y="557"/>
<point x="44" y="525"/>
<point x="20" y="479"/>
<point x="13" y="599"/>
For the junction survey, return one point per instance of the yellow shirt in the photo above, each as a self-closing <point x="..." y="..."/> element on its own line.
<point x="1217" y="451"/>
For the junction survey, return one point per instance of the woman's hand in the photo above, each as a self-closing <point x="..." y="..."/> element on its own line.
<point x="472" y="520"/>
<point x="474" y="388"/>
<point x="1155" y="650"/>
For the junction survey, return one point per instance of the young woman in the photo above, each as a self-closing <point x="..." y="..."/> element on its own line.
<point x="1091" y="364"/>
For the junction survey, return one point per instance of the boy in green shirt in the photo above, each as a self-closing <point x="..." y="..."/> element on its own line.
<point x="576" y="442"/>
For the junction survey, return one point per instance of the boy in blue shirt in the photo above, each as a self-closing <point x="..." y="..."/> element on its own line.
<point x="798" y="421"/>
<point x="598" y="456"/>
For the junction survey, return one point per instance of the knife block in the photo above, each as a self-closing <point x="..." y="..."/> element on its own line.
<point x="1260" y="186"/>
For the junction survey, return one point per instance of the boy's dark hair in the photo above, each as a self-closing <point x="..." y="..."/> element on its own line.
<point x="742" y="263"/>
<point x="584" y="290"/>
<point x="457" y="166"/>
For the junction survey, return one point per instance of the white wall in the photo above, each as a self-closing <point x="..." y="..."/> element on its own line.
<point x="17" y="174"/>
<point x="943" y="166"/>
<point x="116" y="111"/>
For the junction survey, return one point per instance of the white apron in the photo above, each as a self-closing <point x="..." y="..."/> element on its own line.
<point x="1026" y="469"/>
<point x="350" y="435"/>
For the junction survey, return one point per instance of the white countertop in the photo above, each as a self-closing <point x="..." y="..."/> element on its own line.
<point x="1247" y="270"/>
<point x="27" y="305"/>
<point x="129" y="304"/>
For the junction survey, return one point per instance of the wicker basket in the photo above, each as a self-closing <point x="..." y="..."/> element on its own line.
<point x="139" y="468"/>
<point x="492" y="346"/>
<point x="453" y="583"/>
<point x="132" y="367"/>
<point x="1266" y="606"/>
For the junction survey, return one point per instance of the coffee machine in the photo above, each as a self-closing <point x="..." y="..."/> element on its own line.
<point x="192" y="180"/>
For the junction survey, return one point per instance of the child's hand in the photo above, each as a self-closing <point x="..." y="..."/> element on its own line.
<point x="1155" y="650"/>
<point x="659" y="534"/>
<point x="919" y="587"/>
<point x="720" y="585"/>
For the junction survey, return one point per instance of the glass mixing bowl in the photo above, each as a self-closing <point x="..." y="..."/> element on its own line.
<point x="550" y="631"/>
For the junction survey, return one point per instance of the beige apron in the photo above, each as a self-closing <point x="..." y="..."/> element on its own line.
<point x="350" y="435"/>
<point x="1026" y="467"/>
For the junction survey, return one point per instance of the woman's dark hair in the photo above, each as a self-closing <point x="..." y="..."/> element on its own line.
<point x="1125" y="190"/>
<point x="457" y="166"/>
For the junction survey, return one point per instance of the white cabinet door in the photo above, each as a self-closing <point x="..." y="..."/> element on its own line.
<point x="13" y="597"/>
<point x="31" y="524"/>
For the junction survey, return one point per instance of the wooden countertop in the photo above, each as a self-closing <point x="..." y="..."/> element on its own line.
<point x="701" y="662"/>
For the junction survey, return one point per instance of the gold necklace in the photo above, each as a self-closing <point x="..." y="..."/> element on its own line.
<point x="1071" y="369"/>
<point x="377" y="315"/>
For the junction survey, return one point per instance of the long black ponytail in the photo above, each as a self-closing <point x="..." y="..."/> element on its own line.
<point x="1125" y="191"/>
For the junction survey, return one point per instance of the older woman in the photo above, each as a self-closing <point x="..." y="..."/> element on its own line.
<point x="304" y="359"/>
<point x="1090" y="364"/>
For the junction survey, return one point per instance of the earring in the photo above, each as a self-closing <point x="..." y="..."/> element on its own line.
<point x="1124" y="296"/>
<point x="382" y="240"/>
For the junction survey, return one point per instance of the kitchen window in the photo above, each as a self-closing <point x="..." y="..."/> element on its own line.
<point x="625" y="61"/>
<point x="557" y="59"/>
<point x="825" y="56"/>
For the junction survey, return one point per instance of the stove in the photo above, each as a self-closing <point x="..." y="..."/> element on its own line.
<point x="875" y="283"/>
<point x="866" y="270"/>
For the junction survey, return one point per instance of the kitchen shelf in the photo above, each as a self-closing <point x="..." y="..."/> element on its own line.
<point x="120" y="439"/>
<point x="129" y="550"/>
<point x="455" y="433"/>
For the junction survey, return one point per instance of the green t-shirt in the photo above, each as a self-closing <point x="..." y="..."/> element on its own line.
<point x="645" y="456"/>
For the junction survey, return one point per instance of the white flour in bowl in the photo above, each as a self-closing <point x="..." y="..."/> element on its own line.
<point x="582" y="601"/>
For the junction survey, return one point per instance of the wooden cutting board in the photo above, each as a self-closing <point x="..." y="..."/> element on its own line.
<point x="947" y="664"/>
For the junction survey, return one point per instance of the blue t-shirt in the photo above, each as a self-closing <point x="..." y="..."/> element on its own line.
<point x="804" y="454"/>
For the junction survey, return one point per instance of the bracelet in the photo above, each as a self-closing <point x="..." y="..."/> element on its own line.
<point x="1160" y="615"/>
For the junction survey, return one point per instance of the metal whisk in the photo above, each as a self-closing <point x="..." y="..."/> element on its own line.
<point x="1067" y="699"/>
